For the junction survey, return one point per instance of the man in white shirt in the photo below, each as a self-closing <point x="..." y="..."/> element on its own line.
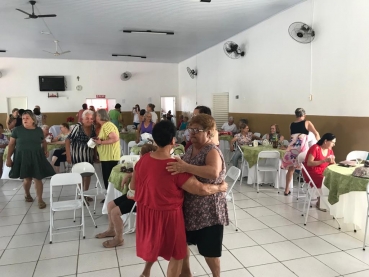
<point x="230" y="126"/>
<point x="150" y="108"/>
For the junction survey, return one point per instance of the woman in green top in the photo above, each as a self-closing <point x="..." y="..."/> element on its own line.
<point x="29" y="157"/>
<point x="274" y="134"/>
<point x="108" y="145"/>
<point x="115" y="115"/>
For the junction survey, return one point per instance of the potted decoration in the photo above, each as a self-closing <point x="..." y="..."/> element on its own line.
<point x="275" y="141"/>
<point x="70" y="120"/>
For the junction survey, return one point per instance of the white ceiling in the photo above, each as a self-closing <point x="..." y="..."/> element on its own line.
<point x="92" y="29"/>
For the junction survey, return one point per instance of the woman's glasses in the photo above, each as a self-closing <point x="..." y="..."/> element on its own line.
<point x="195" y="130"/>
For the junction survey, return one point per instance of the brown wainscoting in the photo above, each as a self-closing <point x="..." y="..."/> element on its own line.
<point x="351" y="132"/>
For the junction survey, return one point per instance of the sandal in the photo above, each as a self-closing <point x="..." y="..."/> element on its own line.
<point x="103" y="235"/>
<point x="111" y="243"/>
<point x="41" y="205"/>
<point x="28" y="198"/>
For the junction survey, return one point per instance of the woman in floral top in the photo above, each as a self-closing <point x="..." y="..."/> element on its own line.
<point x="205" y="217"/>
<point x="3" y="144"/>
<point x="243" y="138"/>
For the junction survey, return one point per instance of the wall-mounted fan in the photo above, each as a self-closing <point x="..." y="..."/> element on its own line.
<point x="301" y="32"/>
<point x="232" y="50"/>
<point x="126" y="76"/>
<point x="192" y="72"/>
<point x="56" y="53"/>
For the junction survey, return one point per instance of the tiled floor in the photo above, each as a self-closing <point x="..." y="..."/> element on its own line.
<point x="272" y="241"/>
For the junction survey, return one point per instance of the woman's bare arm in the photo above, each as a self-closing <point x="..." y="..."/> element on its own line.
<point x="310" y="127"/>
<point x="193" y="186"/>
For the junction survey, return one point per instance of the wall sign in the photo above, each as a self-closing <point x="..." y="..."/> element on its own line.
<point x="100" y="96"/>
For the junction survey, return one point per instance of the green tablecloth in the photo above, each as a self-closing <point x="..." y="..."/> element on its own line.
<point x="339" y="180"/>
<point x="178" y="149"/>
<point x="224" y="137"/>
<point x="251" y="153"/>
<point x="116" y="177"/>
<point x="127" y="137"/>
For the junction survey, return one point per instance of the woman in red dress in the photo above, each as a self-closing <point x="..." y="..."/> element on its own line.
<point x="159" y="195"/>
<point x="318" y="157"/>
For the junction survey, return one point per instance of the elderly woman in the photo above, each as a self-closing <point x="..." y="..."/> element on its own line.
<point x="38" y="115"/>
<point x="243" y="138"/>
<point x="318" y="158"/>
<point x="59" y="155"/>
<point x="3" y="144"/>
<point x="108" y="145"/>
<point x="298" y="143"/>
<point x="160" y="224"/>
<point x="146" y="126"/>
<point x="204" y="160"/>
<point x="76" y="148"/>
<point x="230" y="126"/>
<point x="275" y="134"/>
<point x="29" y="157"/>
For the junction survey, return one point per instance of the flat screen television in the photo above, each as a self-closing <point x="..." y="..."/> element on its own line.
<point x="51" y="83"/>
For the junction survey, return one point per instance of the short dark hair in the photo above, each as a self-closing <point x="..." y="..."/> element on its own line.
<point x="138" y="107"/>
<point x="142" y="112"/>
<point x="36" y="111"/>
<point x="243" y="126"/>
<point x="203" y="109"/>
<point x="244" y="120"/>
<point x="118" y="106"/>
<point x="15" y="110"/>
<point x="1" y="125"/>
<point x="300" y="112"/>
<point x="84" y="106"/>
<point x="327" y="136"/>
<point x="66" y="125"/>
<point x="20" y="111"/>
<point x="152" y="106"/>
<point x="163" y="133"/>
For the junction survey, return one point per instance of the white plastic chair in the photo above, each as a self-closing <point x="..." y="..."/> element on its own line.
<point x="130" y="127"/>
<point x="129" y="158"/>
<point x="267" y="167"/>
<point x="87" y="170"/>
<point x="355" y="155"/>
<point x="301" y="158"/>
<point x="367" y="217"/>
<point x="55" y="130"/>
<point x="233" y="173"/>
<point x="130" y="145"/>
<point x="129" y="220"/>
<point x="66" y="179"/>
<point x="257" y="134"/>
<point x="312" y="191"/>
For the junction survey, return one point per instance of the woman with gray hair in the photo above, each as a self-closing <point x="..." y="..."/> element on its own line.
<point x="76" y="148"/>
<point x="108" y="145"/>
<point x="30" y="157"/>
<point x="229" y="126"/>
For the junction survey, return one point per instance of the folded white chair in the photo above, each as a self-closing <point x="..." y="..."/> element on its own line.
<point x="271" y="166"/>
<point x="233" y="173"/>
<point x="130" y="145"/>
<point x="87" y="170"/>
<point x="355" y="155"/>
<point x="367" y="217"/>
<point x="129" y="158"/>
<point x="66" y="179"/>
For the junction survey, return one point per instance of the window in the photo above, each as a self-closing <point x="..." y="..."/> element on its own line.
<point x="220" y="108"/>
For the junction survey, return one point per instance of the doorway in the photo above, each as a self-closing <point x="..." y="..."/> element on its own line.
<point x="168" y="103"/>
<point x="16" y="102"/>
<point x="101" y="103"/>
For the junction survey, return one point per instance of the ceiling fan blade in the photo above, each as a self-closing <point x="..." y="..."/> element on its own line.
<point x="47" y="15"/>
<point x="48" y="52"/>
<point x="23" y="12"/>
<point x="65" y="52"/>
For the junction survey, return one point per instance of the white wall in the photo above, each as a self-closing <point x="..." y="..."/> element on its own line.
<point x="149" y="80"/>
<point x="274" y="76"/>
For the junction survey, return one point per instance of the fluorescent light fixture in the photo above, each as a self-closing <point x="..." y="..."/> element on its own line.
<point x="45" y="33"/>
<point x="132" y="56"/>
<point x="207" y="1"/>
<point x="3" y="51"/>
<point x="148" y="32"/>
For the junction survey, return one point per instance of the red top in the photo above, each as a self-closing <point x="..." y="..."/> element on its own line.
<point x="316" y="172"/>
<point x="160" y="221"/>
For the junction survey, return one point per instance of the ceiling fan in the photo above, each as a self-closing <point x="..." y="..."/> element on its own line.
<point x="56" y="53"/>
<point x="33" y="16"/>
